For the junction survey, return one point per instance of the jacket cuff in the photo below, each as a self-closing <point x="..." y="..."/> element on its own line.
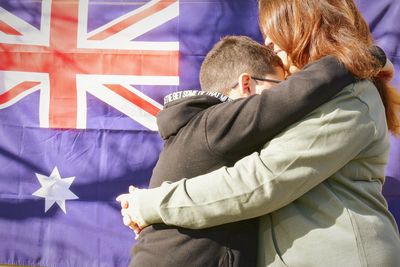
<point x="379" y="54"/>
<point x="147" y="204"/>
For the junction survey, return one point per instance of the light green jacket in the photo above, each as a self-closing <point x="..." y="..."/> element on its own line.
<point x="317" y="187"/>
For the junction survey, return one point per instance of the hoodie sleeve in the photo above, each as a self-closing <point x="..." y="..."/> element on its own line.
<point x="244" y="125"/>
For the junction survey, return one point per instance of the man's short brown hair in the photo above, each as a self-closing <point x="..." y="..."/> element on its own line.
<point x="232" y="56"/>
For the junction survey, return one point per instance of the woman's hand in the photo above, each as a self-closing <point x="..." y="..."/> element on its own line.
<point x="130" y="216"/>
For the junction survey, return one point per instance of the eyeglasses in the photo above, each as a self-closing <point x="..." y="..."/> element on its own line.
<point x="259" y="79"/>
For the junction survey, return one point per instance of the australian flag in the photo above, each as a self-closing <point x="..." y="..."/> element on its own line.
<point x="81" y="83"/>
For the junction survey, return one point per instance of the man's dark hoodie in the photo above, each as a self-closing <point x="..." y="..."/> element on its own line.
<point x="204" y="131"/>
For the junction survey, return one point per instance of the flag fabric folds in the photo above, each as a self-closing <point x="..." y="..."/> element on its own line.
<point x="81" y="83"/>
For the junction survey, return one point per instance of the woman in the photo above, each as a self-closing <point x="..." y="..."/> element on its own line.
<point x="317" y="186"/>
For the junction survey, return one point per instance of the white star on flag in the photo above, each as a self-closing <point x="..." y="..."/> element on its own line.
<point x="55" y="189"/>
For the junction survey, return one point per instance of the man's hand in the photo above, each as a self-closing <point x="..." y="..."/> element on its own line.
<point x="129" y="213"/>
<point x="387" y="72"/>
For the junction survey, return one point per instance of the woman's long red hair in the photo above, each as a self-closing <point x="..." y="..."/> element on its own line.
<point x="308" y="30"/>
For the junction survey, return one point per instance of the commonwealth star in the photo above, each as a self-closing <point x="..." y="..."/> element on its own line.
<point x="54" y="189"/>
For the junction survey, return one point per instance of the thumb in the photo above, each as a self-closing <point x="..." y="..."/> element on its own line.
<point x="119" y="198"/>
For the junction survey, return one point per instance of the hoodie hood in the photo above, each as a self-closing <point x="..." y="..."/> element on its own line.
<point x="180" y="107"/>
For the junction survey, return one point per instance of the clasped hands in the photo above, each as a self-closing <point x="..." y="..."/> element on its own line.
<point x="129" y="210"/>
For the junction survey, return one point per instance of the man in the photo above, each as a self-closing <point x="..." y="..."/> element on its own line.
<point x="205" y="130"/>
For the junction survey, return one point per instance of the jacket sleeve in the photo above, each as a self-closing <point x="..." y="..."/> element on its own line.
<point x="243" y="126"/>
<point x="286" y="168"/>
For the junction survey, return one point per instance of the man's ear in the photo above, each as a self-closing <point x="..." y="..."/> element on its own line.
<point x="245" y="84"/>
